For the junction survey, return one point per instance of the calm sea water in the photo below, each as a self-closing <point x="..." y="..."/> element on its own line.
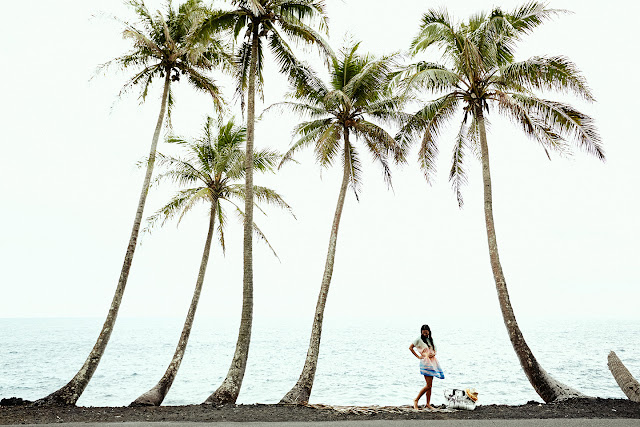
<point x="361" y="362"/>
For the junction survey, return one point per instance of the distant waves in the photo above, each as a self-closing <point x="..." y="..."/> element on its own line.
<point x="361" y="362"/>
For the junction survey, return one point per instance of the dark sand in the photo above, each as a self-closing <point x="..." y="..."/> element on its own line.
<point x="574" y="408"/>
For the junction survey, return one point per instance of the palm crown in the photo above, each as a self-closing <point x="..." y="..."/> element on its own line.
<point x="171" y="44"/>
<point x="357" y="92"/>
<point x="479" y="72"/>
<point x="275" y="21"/>
<point x="213" y="170"/>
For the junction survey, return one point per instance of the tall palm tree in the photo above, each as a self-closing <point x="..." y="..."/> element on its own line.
<point x="215" y="164"/>
<point x="164" y="47"/>
<point x="256" y="22"/>
<point x="479" y="75"/>
<point x="339" y="114"/>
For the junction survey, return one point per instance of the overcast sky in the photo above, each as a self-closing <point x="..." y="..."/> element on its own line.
<point x="567" y="229"/>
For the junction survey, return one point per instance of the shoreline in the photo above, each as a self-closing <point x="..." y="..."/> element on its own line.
<point x="596" y="408"/>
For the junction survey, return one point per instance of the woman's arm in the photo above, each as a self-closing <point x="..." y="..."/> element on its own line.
<point x="413" y="351"/>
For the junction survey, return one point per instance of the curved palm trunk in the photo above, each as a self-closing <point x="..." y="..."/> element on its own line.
<point x="230" y="388"/>
<point x="629" y="385"/>
<point x="301" y="391"/>
<point x="547" y="387"/>
<point x="70" y="393"/>
<point x="156" y="395"/>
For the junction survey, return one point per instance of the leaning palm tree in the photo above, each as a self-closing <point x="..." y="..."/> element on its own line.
<point x="256" y="22"/>
<point x="479" y="75"/>
<point x="215" y="164"/>
<point x="339" y="113"/>
<point x="165" y="47"/>
<point x="629" y="385"/>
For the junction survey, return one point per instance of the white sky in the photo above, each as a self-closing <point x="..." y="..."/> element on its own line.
<point x="567" y="229"/>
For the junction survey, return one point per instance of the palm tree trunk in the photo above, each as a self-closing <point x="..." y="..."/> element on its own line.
<point x="70" y="393"/>
<point x="301" y="391"/>
<point x="547" y="387"/>
<point x="156" y="395"/>
<point x="629" y="385"/>
<point x="230" y="388"/>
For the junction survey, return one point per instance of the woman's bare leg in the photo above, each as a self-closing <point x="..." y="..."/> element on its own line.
<point x="423" y="390"/>
<point x="428" y="391"/>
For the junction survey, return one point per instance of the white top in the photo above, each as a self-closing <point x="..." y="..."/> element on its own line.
<point x="421" y="344"/>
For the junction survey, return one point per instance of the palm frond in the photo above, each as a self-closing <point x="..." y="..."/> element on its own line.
<point x="299" y="108"/>
<point x="430" y="76"/>
<point x="286" y="60"/>
<point x="222" y="222"/>
<point x="381" y="140"/>
<point x="142" y="42"/>
<point x="216" y="21"/>
<point x="144" y="78"/>
<point x="256" y="229"/>
<point x="372" y="81"/>
<point x="389" y="110"/>
<point x="458" y="173"/>
<point x="327" y="145"/>
<point x="243" y="61"/>
<point x="532" y="125"/>
<point x="255" y="6"/>
<point x="270" y="197"/>
<point x="266" y="160"/>
<point x="310" y="132"/>
<point x="379" y="144"/>
<point x="565" y="120"/>
<point x="428" y="122"/>
<point x="294" y="27"/>
<point x="554" y="73"/>
<point x="206" y="85"/>
<point x="530" y="15"/>
<point x="304" y="10"/>
<point x="351" y="161"/>
<point x="179" y="204"/>
<point x="435" y="28"/>
<point x="179" y="171"/>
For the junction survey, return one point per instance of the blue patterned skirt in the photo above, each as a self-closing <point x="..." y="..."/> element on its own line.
<point x="430" y="367"/>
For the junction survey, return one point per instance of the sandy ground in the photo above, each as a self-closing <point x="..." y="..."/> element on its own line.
<point x="574" y="408"/>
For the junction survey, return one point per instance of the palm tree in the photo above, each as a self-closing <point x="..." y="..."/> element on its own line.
<point x="215" y="164"/>
<point x="480" y="74"/>
<point x="339" y="114"/>
<point x="257" y="22"/>
<point x="629" y="385"/>
<point x="164" y="47"/>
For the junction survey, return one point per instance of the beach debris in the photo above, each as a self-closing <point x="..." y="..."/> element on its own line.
<point x="629" y="385"/>
<point x="372" y="410"/>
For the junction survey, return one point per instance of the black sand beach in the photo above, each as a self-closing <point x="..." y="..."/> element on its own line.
<point x="574" y="408"/>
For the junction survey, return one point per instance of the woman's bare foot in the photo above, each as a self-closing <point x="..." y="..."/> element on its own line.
<point x="415" y="404"/>
<point x="429" y="407"/>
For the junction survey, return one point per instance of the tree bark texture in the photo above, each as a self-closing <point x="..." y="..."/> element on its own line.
<point x="547" y="387"/>
<point x="156" y="395"/>
<point x="230" y="388"/>
<point x="629" y="385"/>
<point x="71" y="392"/>
<point x="301" y="391"/>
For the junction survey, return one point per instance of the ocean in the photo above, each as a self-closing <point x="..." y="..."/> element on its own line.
<point x="362" y="361"/>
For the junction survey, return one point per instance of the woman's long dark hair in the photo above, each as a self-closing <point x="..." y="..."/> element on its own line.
<point x="429" y="340"/>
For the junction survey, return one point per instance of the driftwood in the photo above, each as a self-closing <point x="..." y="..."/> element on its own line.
<point x="625" y="380"/>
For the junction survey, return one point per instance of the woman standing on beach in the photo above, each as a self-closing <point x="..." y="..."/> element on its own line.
<point x="429" y="366"/>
